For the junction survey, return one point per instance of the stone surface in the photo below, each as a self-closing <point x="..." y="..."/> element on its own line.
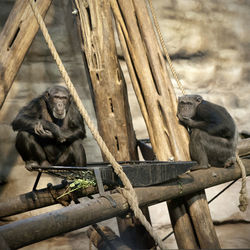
<point x="210" y="47"/>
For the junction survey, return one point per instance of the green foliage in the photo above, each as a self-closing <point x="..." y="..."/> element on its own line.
<point x="88" y="180"/>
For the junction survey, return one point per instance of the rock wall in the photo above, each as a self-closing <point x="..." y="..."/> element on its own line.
<point x="210" y="47"/>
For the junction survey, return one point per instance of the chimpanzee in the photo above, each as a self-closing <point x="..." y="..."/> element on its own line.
<point x="213" y="134"/>
<point x="50" y="130"/>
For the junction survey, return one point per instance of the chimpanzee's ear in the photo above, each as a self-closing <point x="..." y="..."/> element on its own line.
<point x="199" y="99"/>
<point x="46" y="95"/>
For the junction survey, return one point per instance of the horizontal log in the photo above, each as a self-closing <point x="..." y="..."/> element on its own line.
<point x="80" y="215"/>
<point x="139" y="173"/>
<point x="38" y="199"/>
<point x="244" y="147"/>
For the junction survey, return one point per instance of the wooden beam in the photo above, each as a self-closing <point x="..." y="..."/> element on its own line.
<point x="109" y="90"/>
<point x="154" y="91"/>
<point x="40" y="198"/>
<point x="15" y="40"/>
<point x="108" y="84"/>
<point x="204" y="228"/>
<point x="177" y="212"/>
<point x="190" y="183"/>
<point x="86" y="213"/>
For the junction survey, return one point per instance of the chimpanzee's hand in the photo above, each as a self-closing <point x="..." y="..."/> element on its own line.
<point x="183" y="119"/>
<point x="187" y="120"/>
<point x="60" y="138"/>
<point x="39" y="130"/>
<point x="57" y="132"/>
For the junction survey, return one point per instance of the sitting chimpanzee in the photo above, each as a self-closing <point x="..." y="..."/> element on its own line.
<point x="50" y="130"/>
<point x="213" y="134"/>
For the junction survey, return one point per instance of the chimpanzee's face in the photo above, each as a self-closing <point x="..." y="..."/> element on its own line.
<point x="59" y="100"/>
<point x="187" y="105"/>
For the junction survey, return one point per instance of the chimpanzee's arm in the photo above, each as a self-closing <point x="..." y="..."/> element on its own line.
<point x="76" y="128"/>
<point x="219" y="121"/>
<point x="212" y="128"/>
<point x="213" y="119"/>
<point x="28" y="117"/>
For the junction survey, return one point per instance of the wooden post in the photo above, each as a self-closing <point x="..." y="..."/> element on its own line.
<point x="157" y="99"/>
<point x="15" y="40"/>
<point x="109" y="90"/>
<point x="204" y="228"/>
<point x="177" y="210"/>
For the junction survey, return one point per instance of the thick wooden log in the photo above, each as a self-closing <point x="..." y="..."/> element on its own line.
<point x="153" y="88"/>
<point x="15" y="40"/>
<point x="244" y="147"/>
<point x="38" y="199"/>
<point x="178" y="213"/>
<point x="76" y="216"/>
<point x="203" y="227"/>
<point x="150" y="80"/>
<point x="108" y="87"/>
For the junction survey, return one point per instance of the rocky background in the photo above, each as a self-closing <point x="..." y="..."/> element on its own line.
<point x="210" y="47"/>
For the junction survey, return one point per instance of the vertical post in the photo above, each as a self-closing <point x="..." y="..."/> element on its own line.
<point x="181" y="222"/>
<point x="158" y="104"/>
<point x="15" y="40"/>
<point x="109" y="92"/>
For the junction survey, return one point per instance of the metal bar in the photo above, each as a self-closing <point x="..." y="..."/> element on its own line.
<point x="99" y="181"/>
<point x="37" y="180"/>
<point x="222" y="191"/>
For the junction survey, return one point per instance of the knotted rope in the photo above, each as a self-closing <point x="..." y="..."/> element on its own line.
<point x="128" y="190"/>
<point x="243" y="191"/>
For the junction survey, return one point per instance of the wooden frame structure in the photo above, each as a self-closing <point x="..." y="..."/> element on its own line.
<point x="193" y="227"/>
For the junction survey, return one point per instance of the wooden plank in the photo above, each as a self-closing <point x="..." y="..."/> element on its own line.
<point x="86" y="213"/>
<point x="108" y="88"/>
<point x="15" y="40"/>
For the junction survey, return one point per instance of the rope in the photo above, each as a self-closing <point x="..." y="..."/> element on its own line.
<point x="163" y="45"/>
<point x="243" y="192"/>
<point x="129" y="192"/>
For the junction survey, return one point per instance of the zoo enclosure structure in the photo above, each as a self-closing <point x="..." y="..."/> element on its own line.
<point x="193" y="227"/>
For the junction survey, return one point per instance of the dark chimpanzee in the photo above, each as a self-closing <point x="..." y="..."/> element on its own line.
<point x="213" y="134"/>
<point x="50" y="130"/>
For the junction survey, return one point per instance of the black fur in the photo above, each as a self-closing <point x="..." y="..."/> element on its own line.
<point x="213" y="135"/>
<point x="43" y="139"/>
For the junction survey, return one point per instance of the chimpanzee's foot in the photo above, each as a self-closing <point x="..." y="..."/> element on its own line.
<point x="230" y="162"/>
<point x="30" y="164"/>
<point x="197" y="167"/>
